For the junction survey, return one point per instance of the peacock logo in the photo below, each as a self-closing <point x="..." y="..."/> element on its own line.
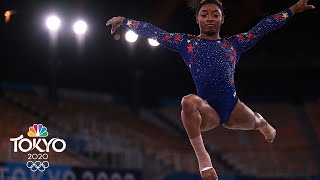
<point x="38" y="130"/>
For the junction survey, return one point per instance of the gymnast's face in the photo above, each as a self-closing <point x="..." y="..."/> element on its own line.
<point x="210" y="19"/>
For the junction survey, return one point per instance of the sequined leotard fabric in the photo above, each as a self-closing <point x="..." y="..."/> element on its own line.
<point x="212" y="62"/>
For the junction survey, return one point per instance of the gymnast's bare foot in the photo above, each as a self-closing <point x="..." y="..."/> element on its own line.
<point x="268" y="131"/>
<point x="209" y="174"/>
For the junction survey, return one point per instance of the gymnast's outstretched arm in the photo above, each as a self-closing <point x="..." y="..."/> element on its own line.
<point x="171" y="41"/>
<point x="245" y="41"/>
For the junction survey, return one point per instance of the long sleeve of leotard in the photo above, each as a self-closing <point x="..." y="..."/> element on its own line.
<point x="171" y="41"/>
<point x="245" y="41"/>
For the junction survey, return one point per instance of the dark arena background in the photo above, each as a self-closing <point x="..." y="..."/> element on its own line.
<point x="115" y="105"/>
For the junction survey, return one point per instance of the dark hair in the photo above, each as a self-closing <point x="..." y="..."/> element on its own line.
<point x="196" y="5"/>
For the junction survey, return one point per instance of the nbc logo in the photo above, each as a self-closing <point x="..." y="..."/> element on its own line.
<point x="37" y="133"/>
<point x="38" y="130"/>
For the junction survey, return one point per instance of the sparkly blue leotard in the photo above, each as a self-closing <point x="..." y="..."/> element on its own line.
<point x="212" y="62"/>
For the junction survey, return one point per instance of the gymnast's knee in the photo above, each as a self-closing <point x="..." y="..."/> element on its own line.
<point x="188" y="103"/>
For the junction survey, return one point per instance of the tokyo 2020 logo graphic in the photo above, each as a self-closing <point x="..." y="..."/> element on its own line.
<point x="36" y="141"/>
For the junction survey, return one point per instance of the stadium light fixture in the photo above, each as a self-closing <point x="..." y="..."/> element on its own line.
<point x="131" y="36"/>
<point x="80" y="27"/>
<point x="153" y="42"/>
<point x="53" y="23"/>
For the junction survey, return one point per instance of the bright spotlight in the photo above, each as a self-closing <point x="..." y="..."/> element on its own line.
<point x="131" y="36"/>
<point x="80" y="27"/>
<point x="153" y="42"/>
<point x="53" y="23"/>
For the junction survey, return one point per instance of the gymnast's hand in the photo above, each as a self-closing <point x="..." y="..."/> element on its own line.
<point x="209" y="174"/>
<point x="300" y="6"/>
<point x="115" y="22"/>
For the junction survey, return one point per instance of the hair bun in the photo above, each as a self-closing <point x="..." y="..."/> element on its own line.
<point x="197" y="4"/>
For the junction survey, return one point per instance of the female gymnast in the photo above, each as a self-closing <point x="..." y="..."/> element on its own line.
<point x="211" y="61"/>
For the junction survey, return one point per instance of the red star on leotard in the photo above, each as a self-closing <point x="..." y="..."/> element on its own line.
<point x="190" y="48"/>
<point x="178" y="38"/>
<point x="166" y="38"/>
<point x="240" y="37"/>
<point x="278" y="17"/>
<point x="224" y="45"/>
<point x="251" y="36"/>
<point x="136" y="23"/>
<point x="235" y="52"/>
